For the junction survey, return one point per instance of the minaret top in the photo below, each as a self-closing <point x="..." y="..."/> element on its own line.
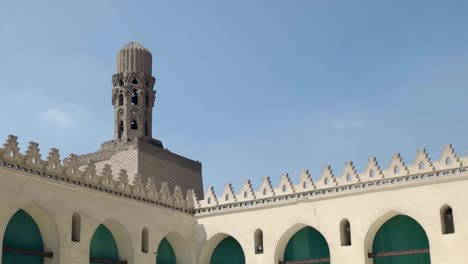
<point x="134" y="57"/>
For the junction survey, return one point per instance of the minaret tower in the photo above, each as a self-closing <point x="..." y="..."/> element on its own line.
<point x="132" y="94"/>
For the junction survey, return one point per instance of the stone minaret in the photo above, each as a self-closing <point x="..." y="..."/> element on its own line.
<point x="132" y="94"/>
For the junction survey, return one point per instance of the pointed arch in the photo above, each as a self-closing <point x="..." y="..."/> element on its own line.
<point x="121" y="238"/>
<point x="397" y="238"/>
<point x="302" y="242"/>
<point x="212" y="252"/>
<point x="26" y="227"/>
<point x="180" y="249"/>
<point x="144" y="240"/>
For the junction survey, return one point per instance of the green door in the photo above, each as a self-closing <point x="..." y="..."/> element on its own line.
<point x="228" y="251"/>
<point x="22" y="232"/>
<point x="307" y="243"/>
<point x="103" y="245"/>
<point x="165" y="253"/>
<point x="398" y="234"/>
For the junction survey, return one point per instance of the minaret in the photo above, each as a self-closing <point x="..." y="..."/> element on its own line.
<point x="132" y="94"/>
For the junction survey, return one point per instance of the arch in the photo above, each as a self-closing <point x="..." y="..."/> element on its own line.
<point x="302" y="242"/>
<point x="258" y="241"/>
<point x="397" y="234"/>
<point x="345" y="232"/>
<point x="121" y="129"/>
<point x="47" y="228"/>
<point x="228" y="251"/>
<point x="120" y="99"/>
<point x="134" y="125"/>
<point x="179" y="247"/>
<point x="121" y="238"/>
<point x="76" y="227"/>
<point x="144" y="240"/>
<point x="446" y="220"/>
<point x="103" y="245"/>
<point x="214" y="243"/>
<point x="165" y="253"/>
<point x="22" y="233"/>
<point x="147" y="100"/>
<point x="134" y="98"/>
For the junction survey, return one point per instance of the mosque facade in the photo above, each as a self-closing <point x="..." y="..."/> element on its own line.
<point x="134" y="202"/>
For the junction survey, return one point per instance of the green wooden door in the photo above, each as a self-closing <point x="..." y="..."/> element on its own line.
<point x="22" y="232"/>
<point x="103" y="245"/>
<point x="228" y="251"/>
<point x="307" y="243"/>
<point x="165" y="254"/>
<point x="401" y="233"/>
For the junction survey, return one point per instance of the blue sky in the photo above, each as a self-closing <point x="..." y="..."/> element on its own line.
<point x="249" y="88"/>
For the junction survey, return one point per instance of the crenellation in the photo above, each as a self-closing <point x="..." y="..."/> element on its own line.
<point x="11" y="149"/>
<point x="266" y="189"/>
<point x="372" y="171"/>
<point x="53" y="162"/>
<point x="228" y="195"/>
<point x="246" y="193"/>
<point x="349" y="176"/>
<point x="305" y="182"/>
<point x="32" y="155"/>
<point x="327" y="179"/>
<point x="210" y="198"/>
<point x="449" y="158"/>
<point x="71" y="166"/>
<point x="165" y="194"/>
<point x="397" y="167"/>
<point x="285" y="186"/>
<point x="106" y="178"/>
<point x="422" y="163"/>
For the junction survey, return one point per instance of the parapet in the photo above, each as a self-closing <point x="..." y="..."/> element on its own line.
<point x="105" y="181"/>
<point x="399" y="175"/>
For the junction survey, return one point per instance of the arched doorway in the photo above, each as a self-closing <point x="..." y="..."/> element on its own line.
<point x="307" y="244"/>
<point x="165" y="253"/>
<point x="22" y="241"/>
<point x="103" y="248"/>
<point x="400" y="240"/>
<point x="228" y="251"/>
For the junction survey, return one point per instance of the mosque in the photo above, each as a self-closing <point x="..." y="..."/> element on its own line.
<point x="134" y="202"/>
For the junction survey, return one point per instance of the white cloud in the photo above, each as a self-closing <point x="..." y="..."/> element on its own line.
<point x="57" y="116"/>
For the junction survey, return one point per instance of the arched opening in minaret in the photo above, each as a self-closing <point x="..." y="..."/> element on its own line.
<point x="134" y="81"/>
<point x="120" y="99"/>
<point x="135" y="97"/>
<point x="121" y="129"/>
<point x="147" y="100"/>
<point x="121" y="83"/>
<point x="134" y="124"/>
<point x="146" y="129"/>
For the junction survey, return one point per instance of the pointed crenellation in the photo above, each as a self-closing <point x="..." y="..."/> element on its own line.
<point x="246" y="193"/>
<point x="266" y="189"/>
<point x="152" y="189"/>
<point x="228" y="195"/>
<point x="349" y="176"/>
<point x="138" y="186"/>
<point x="327" y="179"/>
<point x="90" y="174"/>
<point x="305" y="182"/>
<point x="179" y="200"/>
<point x="210" y="198"/>
<point x="285" y="186"/>
<point x="422" y="163"/>
<point x="72" y="166"/>
<point x="106" y="178"/>
<point x="165" y="194"/>
<point x="372" y="171"/>
<point x="192" y="200"/>
<point x="32" y="156"/>
<point x="122" y="181"/>
<point x="397" y="167"/>
<point x="11" y="149"/>
<point x="449" y="159"/>
<point x="53" y="162"/>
